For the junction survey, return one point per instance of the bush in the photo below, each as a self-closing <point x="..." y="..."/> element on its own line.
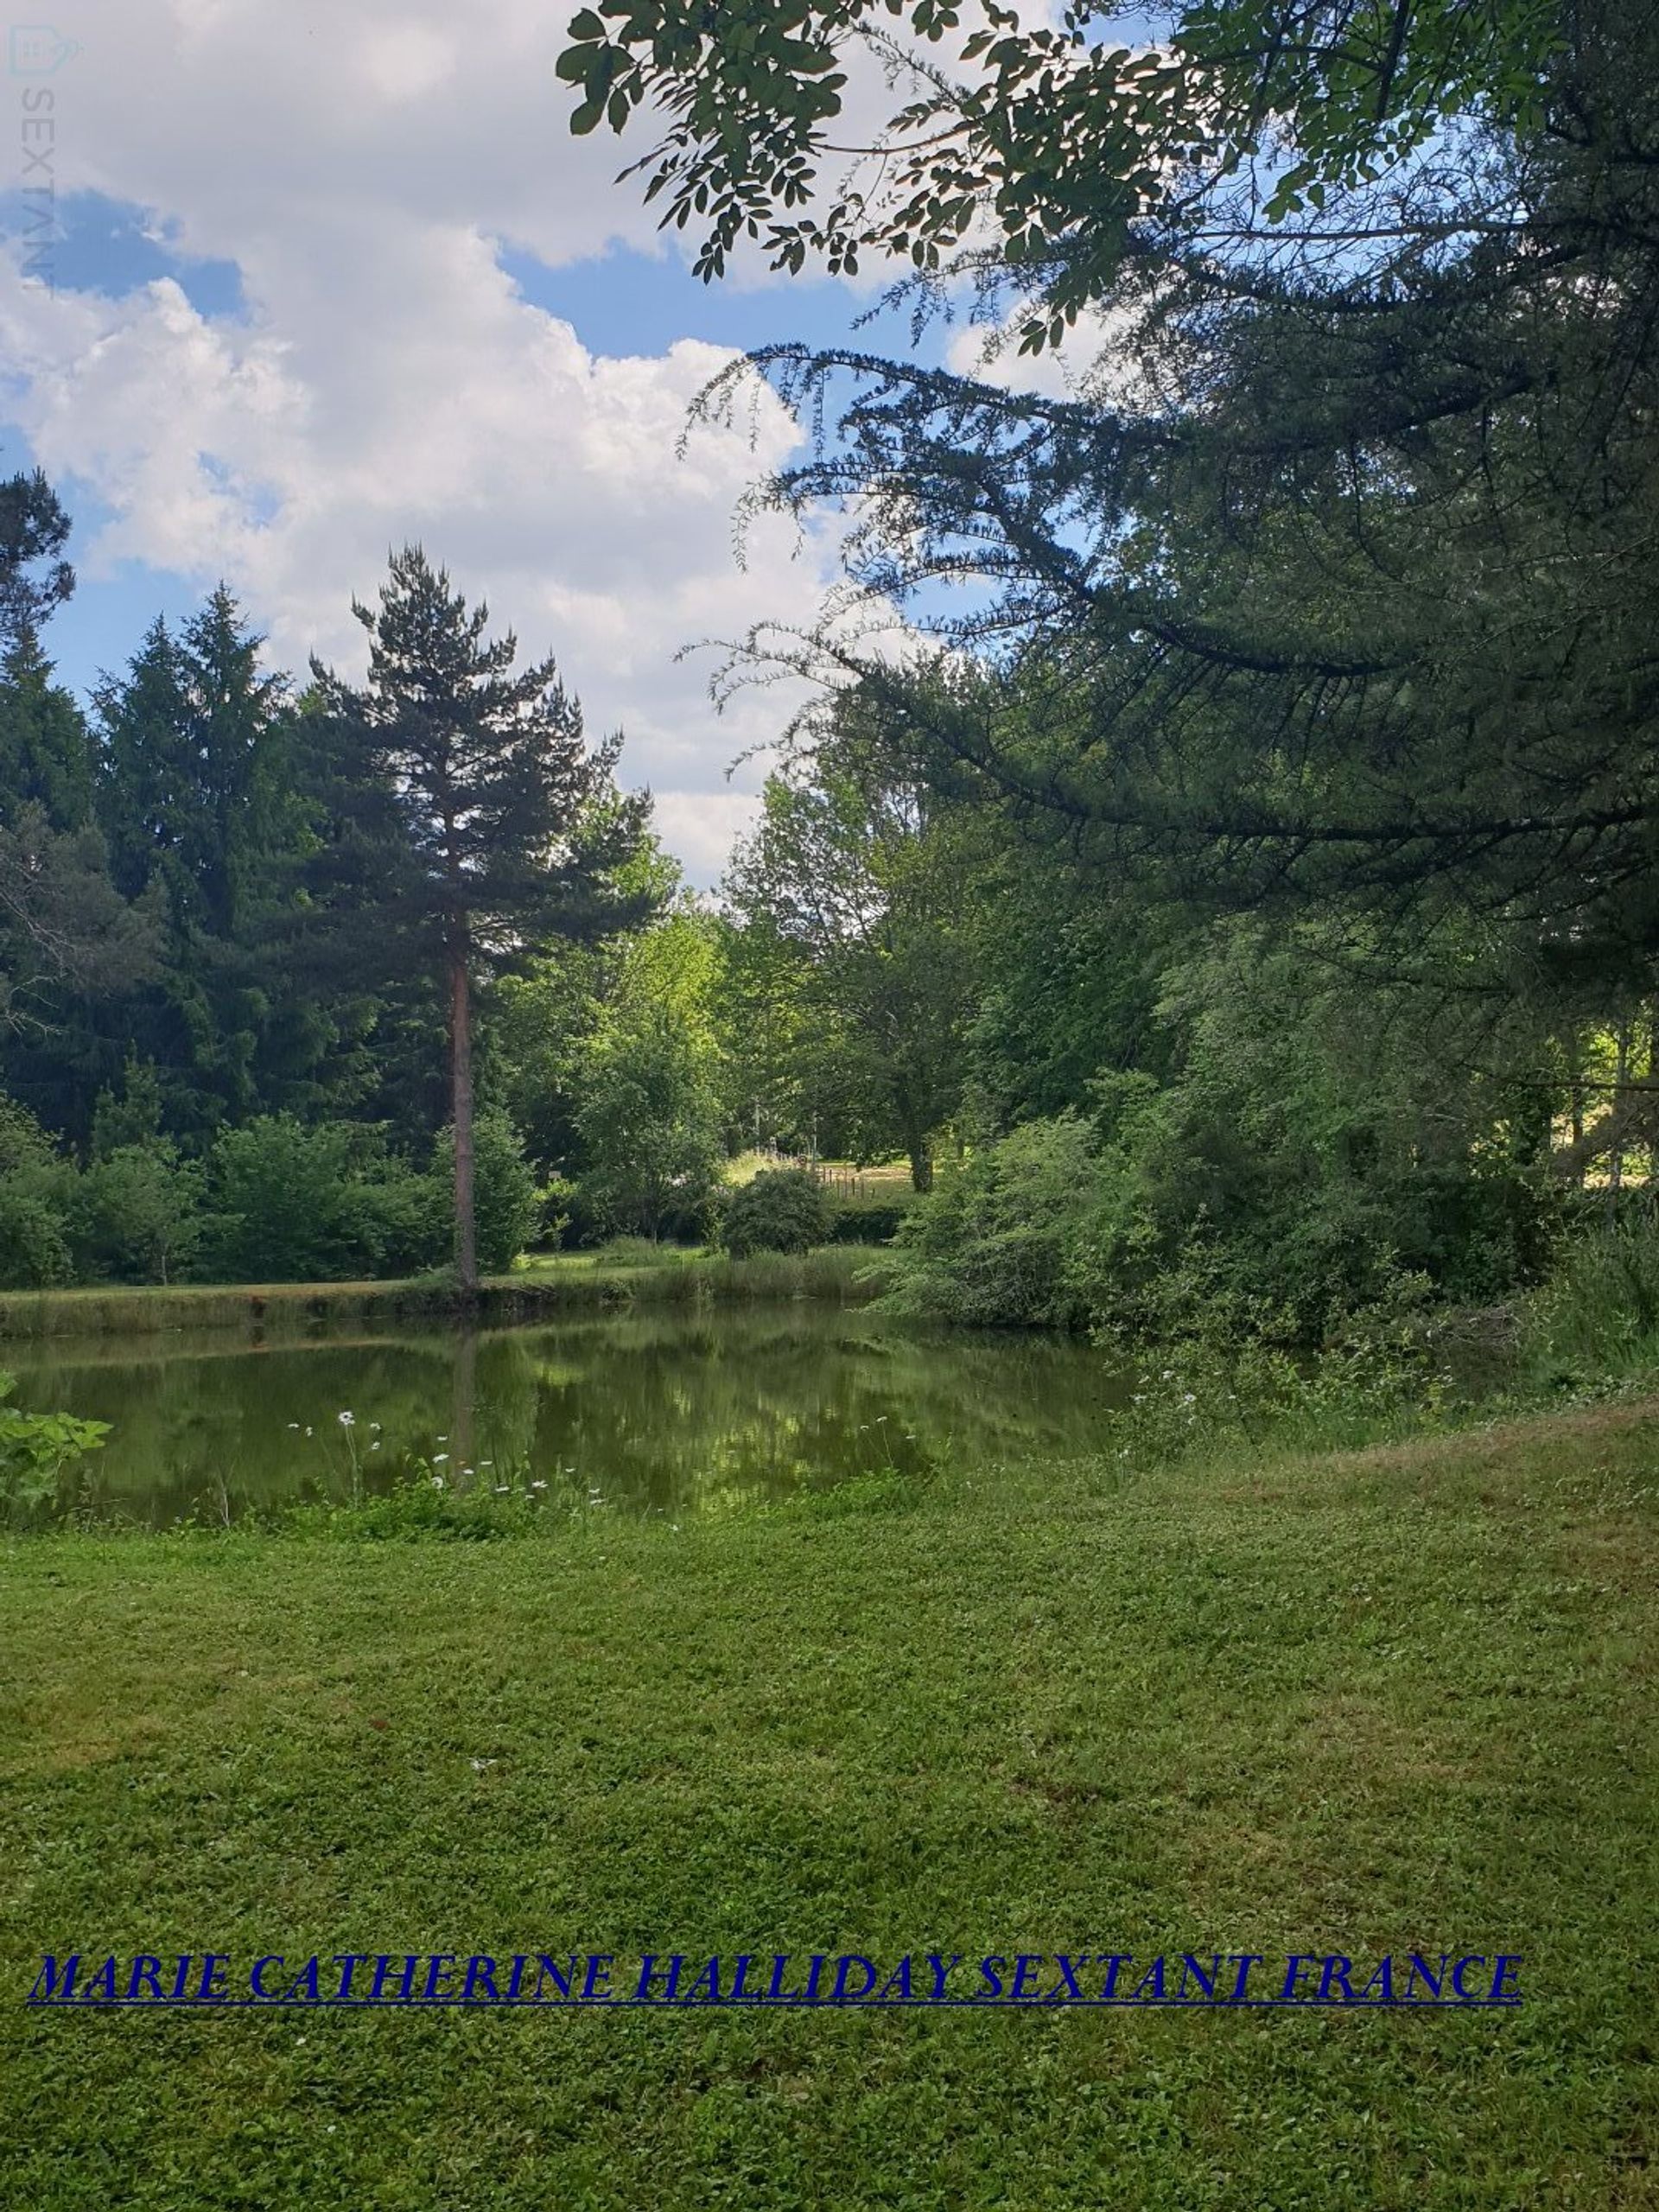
<point x="329" y="1204"/>
<point x="993" y="1246"/>
<point x="137" y="1215"/>
<point x="507" y="1206"/>
<point x="34" y="1448"/>
<point x="782" y="1209"/>
<point x="36" y="1195"/>
<point x="867" y="1221"/>
<point x="1599" y="1312"/>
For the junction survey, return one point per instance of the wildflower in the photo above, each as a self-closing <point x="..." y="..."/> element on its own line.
<point x="438" y="1459"/>
<point x="375" y="1446"/>
<point x="538" y="1485"/>
<point x="347" y="1420"/>
<point x="501" y="1489"/>
<point x="1188" y="1399"/>
<point x="293" y="1424"/>
<point x="437" y="1482"/>
<point x="375" y="1426"/>
<point x="308" y="1431"/>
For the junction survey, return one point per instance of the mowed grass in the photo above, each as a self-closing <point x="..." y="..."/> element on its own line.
<point x="1382" y="1702"/>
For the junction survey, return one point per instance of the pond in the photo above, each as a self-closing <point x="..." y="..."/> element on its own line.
<point x="674" y="1412"/>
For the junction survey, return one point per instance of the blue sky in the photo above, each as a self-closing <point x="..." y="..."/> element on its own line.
<point x="322" y="281"/>
<point x="622" y="301"/>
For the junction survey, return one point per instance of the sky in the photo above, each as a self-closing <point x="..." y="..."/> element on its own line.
<point x="322" y="280"/>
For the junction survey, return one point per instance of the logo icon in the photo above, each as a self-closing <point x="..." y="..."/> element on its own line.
<point x="38" y="50"/>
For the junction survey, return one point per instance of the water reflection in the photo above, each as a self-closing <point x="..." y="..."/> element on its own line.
<point x="672" y="1412"/>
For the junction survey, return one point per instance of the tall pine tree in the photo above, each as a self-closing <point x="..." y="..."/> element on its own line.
<point x="512" y="830"/>
<point x="197" y="800"/>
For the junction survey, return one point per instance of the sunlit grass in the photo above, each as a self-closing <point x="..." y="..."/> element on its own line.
<point x="1368" y="1701"/>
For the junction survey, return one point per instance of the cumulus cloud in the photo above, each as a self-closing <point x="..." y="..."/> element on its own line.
<point x="388" y="381"/>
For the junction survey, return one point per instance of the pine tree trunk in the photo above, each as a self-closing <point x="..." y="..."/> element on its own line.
<point x="460" y="1105"/>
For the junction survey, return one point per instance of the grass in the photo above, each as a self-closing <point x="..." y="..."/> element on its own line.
<point x="1383" y="1700"/>
<point x="547" y="1282"/>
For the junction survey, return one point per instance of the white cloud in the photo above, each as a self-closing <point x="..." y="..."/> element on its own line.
<point x="388" y="382"/>
<point x="1094" y="358"/>
<point x="701" y="826"/>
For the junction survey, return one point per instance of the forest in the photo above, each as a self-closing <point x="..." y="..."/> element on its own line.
<point x="1233" y="901"/>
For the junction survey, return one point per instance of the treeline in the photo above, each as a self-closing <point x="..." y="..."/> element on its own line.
<point x="244" y="922"/>
<point x="228" y="1044"/>
<point x="1252" y="856"/>
<point x="1154" y="1118"/>
<point x="1241" y="911"/>
<point x="265" y="944"/>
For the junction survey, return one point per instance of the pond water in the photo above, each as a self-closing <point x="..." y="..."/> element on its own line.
<point x="671" y="1413"/>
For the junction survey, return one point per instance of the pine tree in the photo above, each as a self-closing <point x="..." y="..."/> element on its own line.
<point x="512" y="829"/>
<point x="196" y="798"/>
<point x="46" y="749"/>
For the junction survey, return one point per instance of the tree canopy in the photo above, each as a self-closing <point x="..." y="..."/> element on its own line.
<point x="1066" y="148"/>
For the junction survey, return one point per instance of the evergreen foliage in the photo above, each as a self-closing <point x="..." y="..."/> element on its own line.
<point x="779" y="1210"/>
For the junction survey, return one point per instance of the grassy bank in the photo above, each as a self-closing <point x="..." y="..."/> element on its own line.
<point x="1379" y="1702"/>
<point x="558" y="1283"/>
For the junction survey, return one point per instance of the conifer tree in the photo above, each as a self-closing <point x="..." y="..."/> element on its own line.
<point x="46" y="749"/>
<point x="511" y="827"/>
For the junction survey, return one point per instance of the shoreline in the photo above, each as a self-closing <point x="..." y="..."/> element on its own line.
<point x="574" y="1279"/>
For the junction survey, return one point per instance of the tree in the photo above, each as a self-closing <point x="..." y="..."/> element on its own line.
<point x="46" y="749"/>
<point x="69" y="947"/>
<point x="1080" y="148"/>
<point x="544" y="1022"/>
<point x="198" y="797"/>
<point x="34" y="578"/>
<point x="1335" y="592"/>
<point x="71" y="951"/>
<point x="512" y="829"/>
<point x="648" y="1118"/>
<point x="852" y="868"/>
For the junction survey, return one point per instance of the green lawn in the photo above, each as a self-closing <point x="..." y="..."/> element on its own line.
<point x="1379" y="1702"/>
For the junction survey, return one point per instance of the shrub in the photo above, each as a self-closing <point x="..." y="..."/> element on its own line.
<point x="1599" y="1312"/>
<point x="867" y="1221"/>
<point x="781" y="1210"/>
<point x="507" y="1204"/>
<point x="36" y="1193"/>
<point x="297" y="1204"/>
<point x="992" y="1245"/>
<point x="137" y="1215"/>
